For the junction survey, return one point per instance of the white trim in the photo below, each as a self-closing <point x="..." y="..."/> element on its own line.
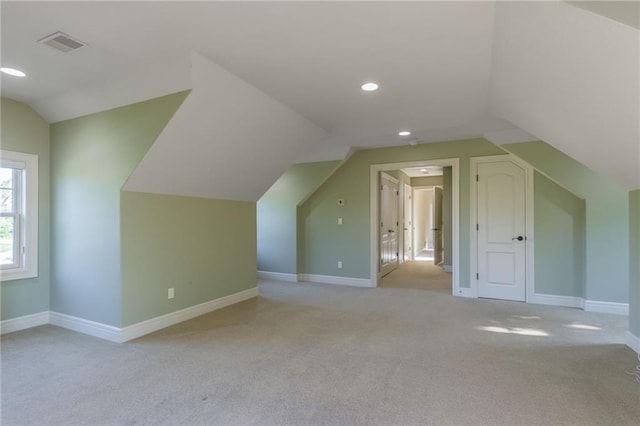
<point x="553" y="300"/>
<point x="121" y="335"/>
<point x="81" y="325"/>
<point x="606" y="307"/>
<point x="332" y="279"/>
<point x="277" y="276"/>
<point x="466" y="292"/>
<point x="149" y="326"/>
<point x="454" y="163"/>
<point x="633" y="342"/>
<point x="529" y="221"/>
<point x="24" y="322"/>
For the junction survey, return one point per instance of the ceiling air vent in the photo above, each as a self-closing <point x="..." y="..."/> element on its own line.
<point x="62" y="42"/>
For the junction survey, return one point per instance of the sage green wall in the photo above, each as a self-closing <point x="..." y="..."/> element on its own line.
<point x="427" y="180"/>
<point x="559" y="221"/>
<point x="276" y="214"/>
<point x="203" y="248"/>
<point x="607" y="219"/>
<point x="634" y="270"/>
<point x="323" y="242"/>
<point x="91" y="158"/>
<point x="447" y="212"/>
<point x="23" y="130"/>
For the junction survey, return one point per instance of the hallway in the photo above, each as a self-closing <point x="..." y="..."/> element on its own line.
<point x="418" y="275"/>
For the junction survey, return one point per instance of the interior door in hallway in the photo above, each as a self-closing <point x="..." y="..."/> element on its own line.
<point x="408" y="226"/>
<point x="437" y="226"/>
<point x="389" y="255"/>
<point x="501" y="227"/>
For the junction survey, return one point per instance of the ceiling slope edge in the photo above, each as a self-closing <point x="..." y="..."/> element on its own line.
<point x="149" y="81"/>
<point x="571" y="79"/>
<point x="228" y="140"/>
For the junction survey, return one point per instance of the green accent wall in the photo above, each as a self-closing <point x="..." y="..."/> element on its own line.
<point x="427" y="180"/>
<point x="277" y="215"/>
<point x="607" y="219"/>
<point x="323" y="242"/>
<point x="203" y="248"/>
<point x="23" y="130"/>
<point x="559" y="221"/>
<point x="634" y="270"/>
<point x="91" y="158"/>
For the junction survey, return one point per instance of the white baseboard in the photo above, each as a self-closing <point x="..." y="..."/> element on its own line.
<point x="24" y="322"/>
<point x="606" y="307"/>
<point x="277" y="276"/>
<point x="447" y="268"/>
<point x="633" y="342"/>
<point x="466" y="292"/>
<point x="550" y="299"/>
<point x="81" y="325"/>
<point x="120" y="335"/>
<point x="149" y="326"/>
<point x="331" y="279"/>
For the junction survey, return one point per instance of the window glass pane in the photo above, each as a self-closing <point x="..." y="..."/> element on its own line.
<point x="6" y="190"/>
<point x="6" y="200"/>
<point x="7" y="255"/>
<point x="6" y="177"/>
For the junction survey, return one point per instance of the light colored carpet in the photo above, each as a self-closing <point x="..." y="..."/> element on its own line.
<point x="418" y="275"/>
<point x="321" y="354"/>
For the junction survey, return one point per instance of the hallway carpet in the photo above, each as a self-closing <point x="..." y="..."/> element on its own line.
<point x="418" y="275"/>
<point x="325" y="354"/>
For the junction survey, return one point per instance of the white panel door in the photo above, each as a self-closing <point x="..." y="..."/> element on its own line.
<point x="388" y="223"/>
<point x="408" y="226"/>
<point x="437" y="226"/>
<point x="501" y="230"/>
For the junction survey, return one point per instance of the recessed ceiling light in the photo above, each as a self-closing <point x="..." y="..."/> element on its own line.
<point x="404" y="133"/>
<point x="12" y="71"/>
<point x="369" y="86"/>
<point x="424" y="170"/>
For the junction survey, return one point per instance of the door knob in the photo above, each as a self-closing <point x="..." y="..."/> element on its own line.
<point x="391" y="230"/>
<point x="519" y="238"/>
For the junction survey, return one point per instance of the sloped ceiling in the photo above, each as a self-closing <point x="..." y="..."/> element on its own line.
<point x="571" y="78"/>
<point x="227" y="140"/>
<point x="447" y="70"/>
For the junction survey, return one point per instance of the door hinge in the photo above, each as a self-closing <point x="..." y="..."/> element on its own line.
<point x="397" y="223"/>
<point x="477" y="276"/>
<point x="381" y="225"/>
<point x="477" y="178"/>
<point x="477" y="227"/>
<point x="397" y="254"/>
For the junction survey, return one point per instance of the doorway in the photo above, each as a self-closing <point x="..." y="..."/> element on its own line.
<point x="429" y="224"/>
<point x="377" y="231"/>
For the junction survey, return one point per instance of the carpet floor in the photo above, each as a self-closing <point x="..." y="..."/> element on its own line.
<point x="418" y="275"/>
<point x="324" y="354"/>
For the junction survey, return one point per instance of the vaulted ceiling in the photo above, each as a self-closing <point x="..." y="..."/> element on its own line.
<point x="508" y="71"/>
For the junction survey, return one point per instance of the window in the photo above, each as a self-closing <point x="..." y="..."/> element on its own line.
<point x="18" y="215"/>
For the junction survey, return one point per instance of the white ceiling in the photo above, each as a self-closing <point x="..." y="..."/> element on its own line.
<point x="435" y="61"/>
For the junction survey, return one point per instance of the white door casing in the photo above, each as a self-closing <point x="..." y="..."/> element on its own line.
<point x="389" y="203"/>
<point x="374" y="210"/>
<point x="502" y="228"/>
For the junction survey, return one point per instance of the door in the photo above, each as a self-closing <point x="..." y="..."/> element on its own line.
<point x="407" y="223"/>
<point x="388" y="223"/>
<point x="437" y="226"/>
<point x="500" y="230"/>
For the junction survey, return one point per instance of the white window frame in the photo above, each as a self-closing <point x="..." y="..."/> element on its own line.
<point x="27" y="267"/>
